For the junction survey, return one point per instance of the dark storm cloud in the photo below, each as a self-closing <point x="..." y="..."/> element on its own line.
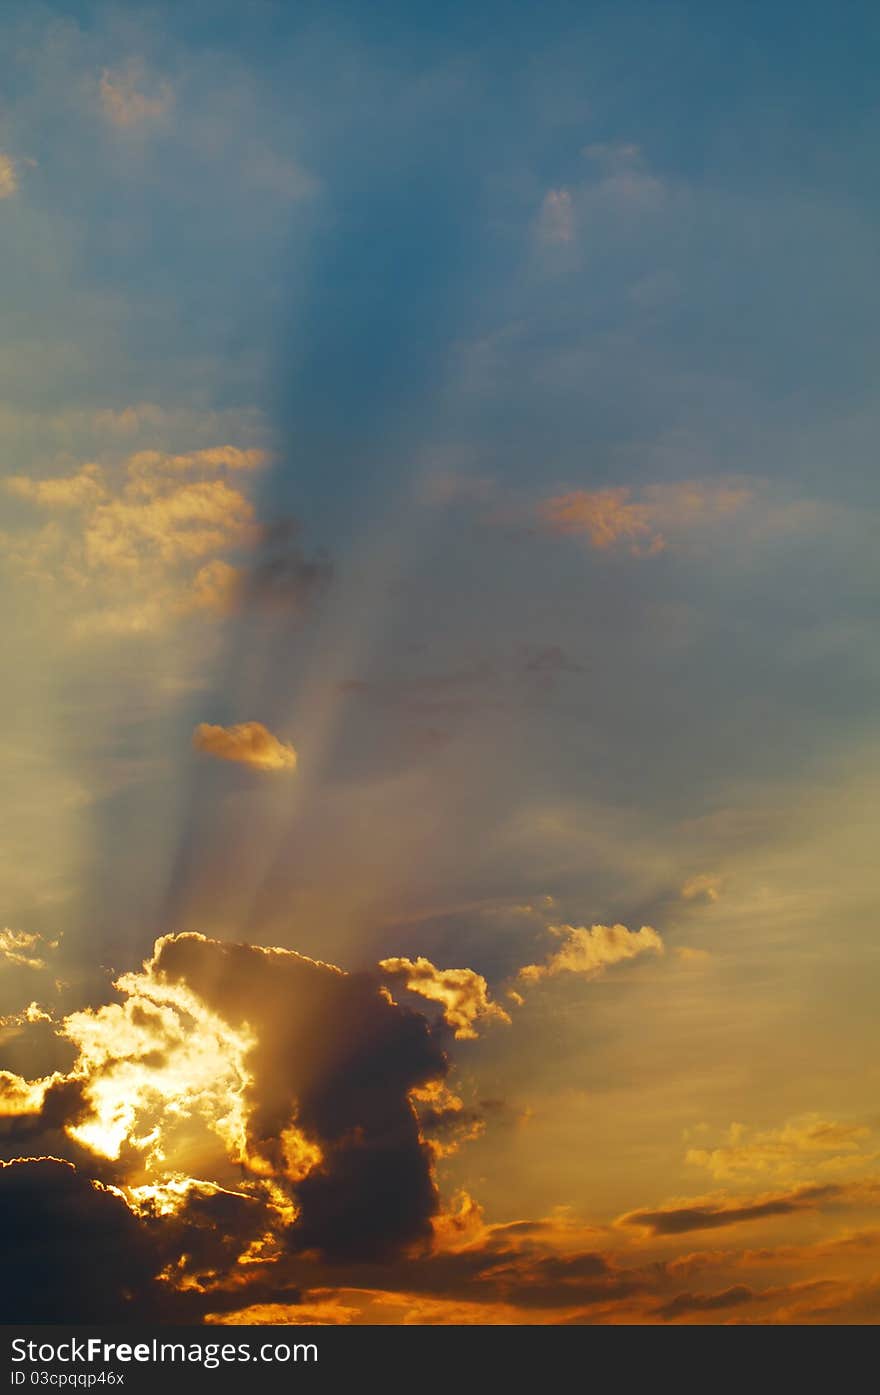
<point x="72" y="1250"/>
<point x="75" y="1252"/>
<point x="338" y="1058"/>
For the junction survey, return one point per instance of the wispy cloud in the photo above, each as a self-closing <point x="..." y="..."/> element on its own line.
<point x="646" y="520"/>
<point x="130" y="97"/>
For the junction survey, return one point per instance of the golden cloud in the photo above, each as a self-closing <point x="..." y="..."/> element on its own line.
<point x="706" y="886"/>
<point x="590" y="951"/>
<point x="167" y="522"/>
<point x="248" y="743"/>
<point x="463" y="994"/>
<point x="303" y="1095"/>
<point x="80" y="490"/>
<point x="8" y="176"/>
<point x="24" y="949"/>
<point x="806" y="1141"/>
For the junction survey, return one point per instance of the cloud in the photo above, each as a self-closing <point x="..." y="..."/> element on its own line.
<point x="8" y="176"/>
<point x="606" y="516"/>
<point x="130" y="98"/>
<point x="74" y="1252"/>
<point x="216" y="587"/>
<point x="590" y="951"/>
<point x="80" y="490"/>
<point x="248" y="743"/>
<point x="291" y="1082"/>
<point x="32" y="1013"/>
<point x="175" y="525"/>
<point x="335" y="1058"/>
<point x="24" y="949"/>
<point x="556" y="220"/>
<point x="464" y="994"/>
<point x="708" y="1215"/>
<point x="179" y="527"/>
<point x="286" y="581"/>
<point x="706" y="886"/>
<point x="808" y="1140"/>
<point x="685" y="1304"/>
<point x="148" y="462"/>
<point x="646" y="521"/>
<point x="305" y="1098"/>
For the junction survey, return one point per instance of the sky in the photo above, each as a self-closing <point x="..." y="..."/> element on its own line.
<point x="438" y="727"/>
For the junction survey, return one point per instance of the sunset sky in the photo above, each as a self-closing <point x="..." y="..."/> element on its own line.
<point x="439" y="718"/>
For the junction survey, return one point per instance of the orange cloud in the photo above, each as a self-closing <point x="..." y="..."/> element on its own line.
<point x="24" y="949"/>
<point x="248" y="743"/>
<point x="614" y="517"/>
<point x="590" y="952"/>
<point x="217" y="587"/>
<point x="84" y="488"/>
<point x="703" y="887"/>
<point x="157" y="518"/>
<point x="8" y="176"/>
<point x="809" y="1140"/>
<point x="709" y="1214"/>
<point x="606" y="516"/>
<point x="463" y="993"/>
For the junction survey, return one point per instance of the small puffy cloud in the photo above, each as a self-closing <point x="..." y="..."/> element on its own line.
<point x="808" y="1141"/>
<point x="704" y="887"/>
<point x="556" y="220"/>
<point x="643" y="522"/>
<point x="130" y="98"/>
<point x="8" y="176"/>
<point x="464" y="994"/>
<point x="590" y="951"/>
<point x="248" y="743"/>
